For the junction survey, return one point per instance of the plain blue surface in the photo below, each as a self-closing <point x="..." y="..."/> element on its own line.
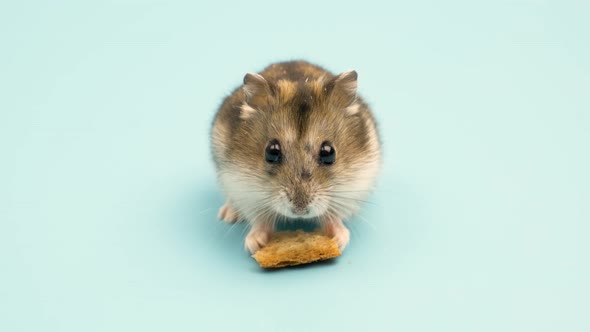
<point x="108" y="199"/>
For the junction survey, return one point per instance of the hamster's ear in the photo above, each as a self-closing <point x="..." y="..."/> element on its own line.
<point x="256" y="86"/>
<point x="258" y="92"/>
<point x="347" y="81"/>
<point x="343" y="88"/>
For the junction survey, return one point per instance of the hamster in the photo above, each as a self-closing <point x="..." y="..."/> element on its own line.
<point x="295" y="141"/>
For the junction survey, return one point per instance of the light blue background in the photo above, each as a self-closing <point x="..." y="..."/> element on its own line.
<point x="108" y="199"/>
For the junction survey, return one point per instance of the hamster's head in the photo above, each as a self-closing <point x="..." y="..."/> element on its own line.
<point x="303" y="149"/>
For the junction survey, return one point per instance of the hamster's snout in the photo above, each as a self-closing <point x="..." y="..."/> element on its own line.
<point x="298" y="203"/>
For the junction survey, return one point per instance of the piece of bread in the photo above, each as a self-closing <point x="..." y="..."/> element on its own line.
<point x="294" y="248"/>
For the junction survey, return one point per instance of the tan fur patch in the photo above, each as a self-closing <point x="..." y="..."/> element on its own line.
<point x="352" y="109"/>
<point x="317" y="86"/>
<point x="290" y="135"/>
<point x="247" y="111"/>
<point x="287" y="90"/>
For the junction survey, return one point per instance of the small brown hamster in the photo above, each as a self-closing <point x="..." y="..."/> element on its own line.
<point x="295" y="141"/>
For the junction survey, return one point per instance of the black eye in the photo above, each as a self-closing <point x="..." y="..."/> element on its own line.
<point x="327" y="154"/>
<point x="273" y="152"/>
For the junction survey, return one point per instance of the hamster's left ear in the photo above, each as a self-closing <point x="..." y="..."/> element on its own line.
<point x="257" y="93"/>
<point x="256" y="86"/>
<point x="343" y="88"/>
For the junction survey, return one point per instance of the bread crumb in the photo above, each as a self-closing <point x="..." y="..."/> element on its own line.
<point x="290" y="248"/>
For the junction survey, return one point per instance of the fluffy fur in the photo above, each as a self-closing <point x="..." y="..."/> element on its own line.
<point x="301" y="105"/>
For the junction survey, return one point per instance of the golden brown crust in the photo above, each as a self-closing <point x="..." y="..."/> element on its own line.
<point x="295" y="248"/>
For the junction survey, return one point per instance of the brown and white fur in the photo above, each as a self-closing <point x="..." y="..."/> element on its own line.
<point x="300" y="105"/>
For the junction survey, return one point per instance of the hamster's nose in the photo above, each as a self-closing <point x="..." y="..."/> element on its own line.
<point x="299" y="202"/>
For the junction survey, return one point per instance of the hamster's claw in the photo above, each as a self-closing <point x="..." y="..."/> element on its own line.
<point x="228" y="214"/>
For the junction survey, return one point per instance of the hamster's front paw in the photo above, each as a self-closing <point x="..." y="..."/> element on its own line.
<point x="228" y="214"/>
<point x="335" y="229"/>
<point x="257" y="237"/>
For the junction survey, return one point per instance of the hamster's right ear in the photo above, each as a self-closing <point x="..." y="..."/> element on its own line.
<point x="256" y="86"/>
<point x="343" y="88"/>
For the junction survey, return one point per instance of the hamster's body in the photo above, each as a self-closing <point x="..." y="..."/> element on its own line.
<point x="294" y="141"/>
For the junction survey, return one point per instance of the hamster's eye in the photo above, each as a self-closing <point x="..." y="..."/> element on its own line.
<point x="273" y="152"/>
<point x="327" y="154"/>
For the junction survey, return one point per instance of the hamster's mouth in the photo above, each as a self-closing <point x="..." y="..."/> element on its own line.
<point x="300" y="212"/>
<point x="309" y="212"/>
<point x="293" y="214"/>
